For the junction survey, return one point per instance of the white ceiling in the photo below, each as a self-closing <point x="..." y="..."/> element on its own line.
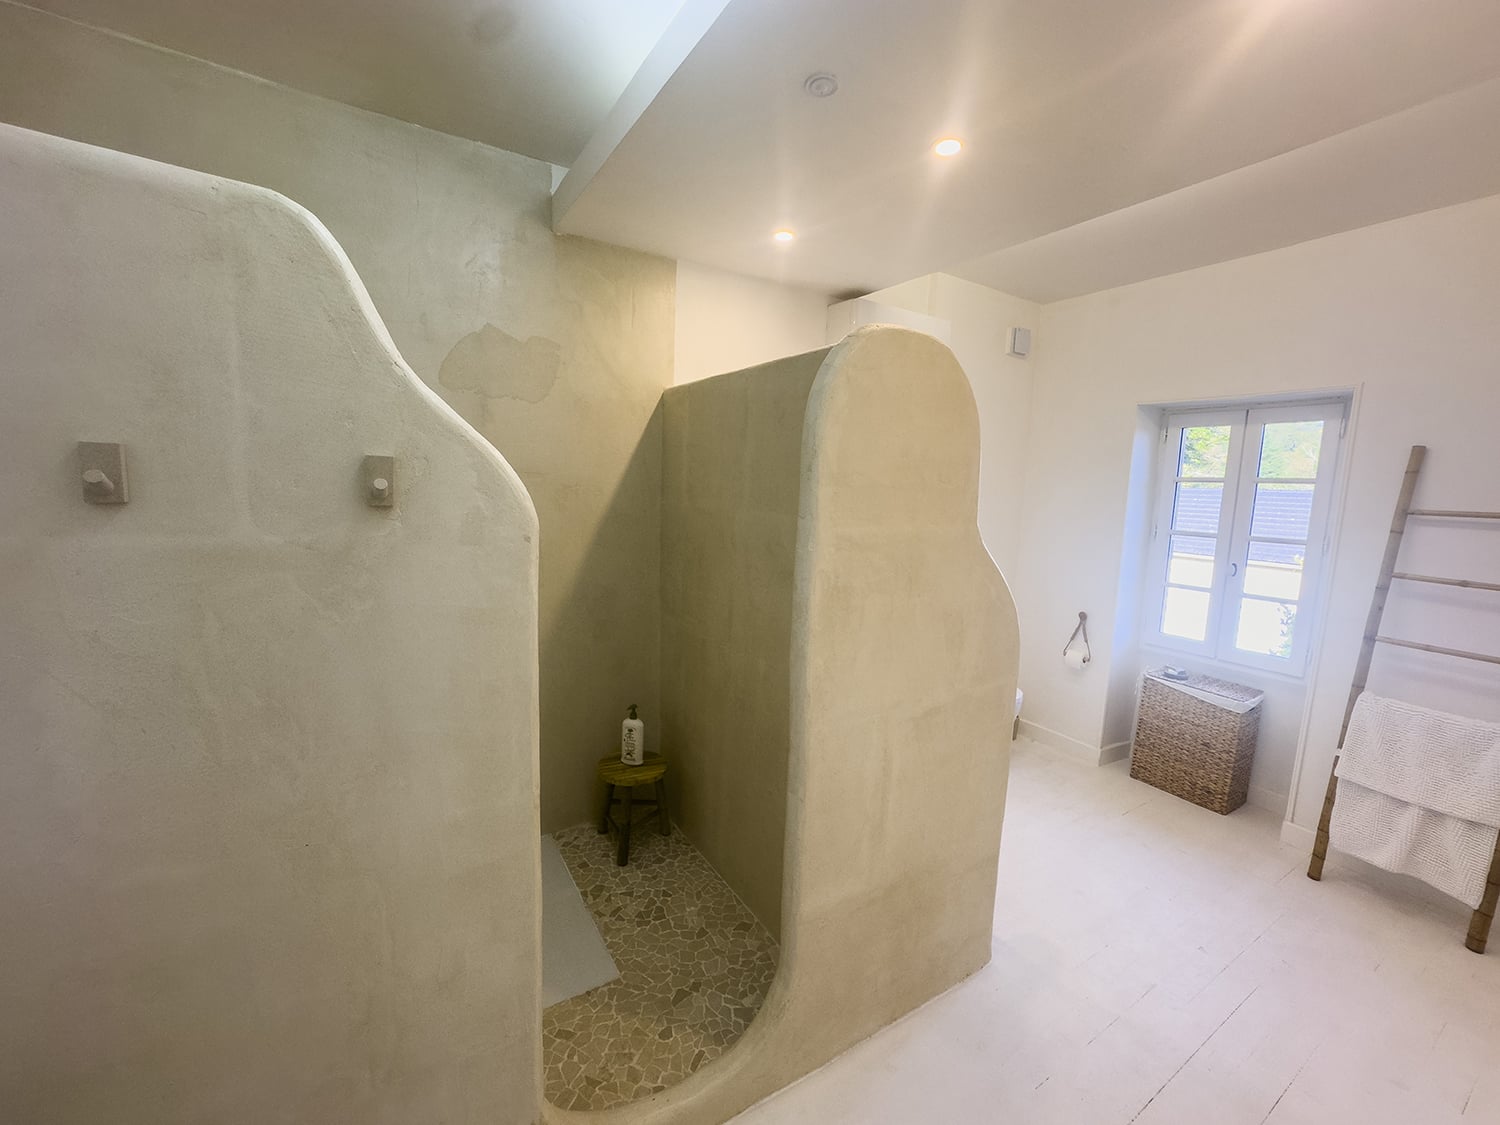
<point x="531" y="76"/>
<point x="1107" y="140"/>
<point x="1431" y="156"/>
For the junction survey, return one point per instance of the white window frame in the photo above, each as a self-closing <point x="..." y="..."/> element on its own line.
<point x="1233" y="539"/>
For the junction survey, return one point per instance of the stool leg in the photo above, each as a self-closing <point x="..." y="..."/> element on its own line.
<point x="609" y="799"/>
<point x="662" y="820"/>
<point x="622" y="857"/>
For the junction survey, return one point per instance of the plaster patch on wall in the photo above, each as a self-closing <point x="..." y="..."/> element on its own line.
<point x="498" y="365"/>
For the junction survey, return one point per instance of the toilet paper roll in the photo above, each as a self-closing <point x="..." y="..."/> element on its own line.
<point x="1073" y="659"/>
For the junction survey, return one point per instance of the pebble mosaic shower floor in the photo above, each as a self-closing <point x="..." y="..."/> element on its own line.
<point x="694" y="968"/>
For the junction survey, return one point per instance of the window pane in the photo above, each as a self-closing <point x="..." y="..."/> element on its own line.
<point x="1282" y="511"/>
<point x="1185" y="613"/>
<point x="1191" y="562"/>
<point x="1274" y="570"/>
<point x="1204" y="451"/>
<point x="1290" y="449"/>
<point x="1266" y="627"/>
<point x="1196" y="507"/>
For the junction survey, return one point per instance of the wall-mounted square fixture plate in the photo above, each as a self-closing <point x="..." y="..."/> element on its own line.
<point x="377" y="479"/>
<point x="101" y="472"/>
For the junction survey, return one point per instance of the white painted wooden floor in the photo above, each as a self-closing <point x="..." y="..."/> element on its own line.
<point x="1161" y="965"/>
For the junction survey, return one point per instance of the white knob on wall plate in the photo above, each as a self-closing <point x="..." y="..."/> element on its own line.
<point x="97" y="481"/>
<point x="101" y="468"/>
<point x="378" y="474"/>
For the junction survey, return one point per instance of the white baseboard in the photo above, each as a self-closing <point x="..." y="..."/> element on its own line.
<point x="1074" y="747"/>
<point x="1297" y="836"/>
<point x="1261" y="798"/>
<point x="1268" y="799"/>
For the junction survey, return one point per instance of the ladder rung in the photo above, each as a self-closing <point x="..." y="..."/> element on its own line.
<point x="1467" y="584"/>
<point x="1440" y="514"/>
<point x="1458" y="652"/>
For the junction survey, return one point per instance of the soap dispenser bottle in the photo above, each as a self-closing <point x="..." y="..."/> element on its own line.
<point x="632" y="739"/>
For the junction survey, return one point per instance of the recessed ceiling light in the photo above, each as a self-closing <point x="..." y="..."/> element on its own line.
<point x="821" y="85"/>
<point x="948" y="146"/>
<point x="784" y="236"/>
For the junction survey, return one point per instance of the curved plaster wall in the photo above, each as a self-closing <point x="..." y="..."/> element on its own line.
<point x="268" y="845"/>
<point x="901" y="666"/>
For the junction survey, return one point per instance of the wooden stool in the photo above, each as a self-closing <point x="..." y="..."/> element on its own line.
<point x="616" y="774"/>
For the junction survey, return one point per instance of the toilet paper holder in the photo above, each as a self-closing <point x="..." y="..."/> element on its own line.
<point x="1081" y="630"/>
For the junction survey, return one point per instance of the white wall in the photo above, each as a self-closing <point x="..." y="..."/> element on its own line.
<point x="1405" y="312"/>
<point x="727" y="322"/>
<point x="980" y="319"/>
<point x="267" y="845"/>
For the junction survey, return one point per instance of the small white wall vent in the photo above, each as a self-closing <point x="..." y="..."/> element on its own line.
<point x="1020" y="342"/>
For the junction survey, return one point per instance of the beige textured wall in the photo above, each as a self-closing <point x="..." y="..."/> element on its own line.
<point x="903" y="672"/>
<point x="732" y="458"/>
<point x="555" y="349"/>
<point x="266" y="824"/>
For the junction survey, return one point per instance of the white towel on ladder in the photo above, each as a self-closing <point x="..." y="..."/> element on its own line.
<point x="1419" y="793"/>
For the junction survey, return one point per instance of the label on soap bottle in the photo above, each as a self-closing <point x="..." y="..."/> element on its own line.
<point x="632" y="742"/>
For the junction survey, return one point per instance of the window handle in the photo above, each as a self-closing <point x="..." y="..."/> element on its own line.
<point x="1234" y="569"/>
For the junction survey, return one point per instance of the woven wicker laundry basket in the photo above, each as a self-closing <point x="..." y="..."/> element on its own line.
<point x="1195" y="739"/>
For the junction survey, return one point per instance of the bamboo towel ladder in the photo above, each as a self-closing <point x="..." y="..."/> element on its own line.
<point x="1484" y="914"/>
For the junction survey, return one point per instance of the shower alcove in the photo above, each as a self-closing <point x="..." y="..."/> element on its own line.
<point x="838" y="667"/>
